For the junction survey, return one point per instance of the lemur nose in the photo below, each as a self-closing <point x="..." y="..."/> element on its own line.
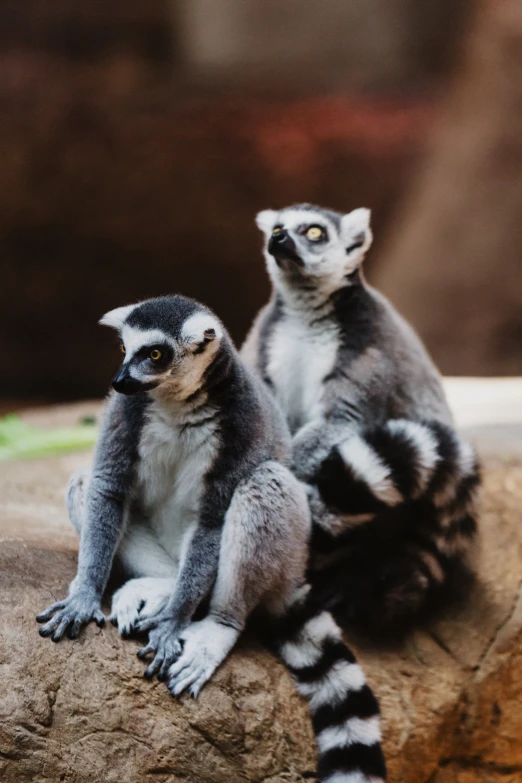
<point x="280" y="242"/>
<point x="123" y="383"/>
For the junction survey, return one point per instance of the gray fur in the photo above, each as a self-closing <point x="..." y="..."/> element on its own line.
<point x="222" y="421"/>
<point x="191" y="490"/>
<point x="353" y="378"/>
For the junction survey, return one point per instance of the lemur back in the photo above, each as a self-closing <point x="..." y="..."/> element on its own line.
<point x="191" y="491"/>
<point x="392" y="487"/>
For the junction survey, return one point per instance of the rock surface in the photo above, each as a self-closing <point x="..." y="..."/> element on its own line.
<point x="81" y="711"/>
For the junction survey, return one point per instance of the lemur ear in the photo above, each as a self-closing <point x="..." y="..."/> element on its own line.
<point x="356" y="233"/>
<point x="117" y="317"/>
<point x="201" y="329"/>
<point x="265" y="220"/>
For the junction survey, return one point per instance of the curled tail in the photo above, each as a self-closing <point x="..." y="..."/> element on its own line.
<point x="404" y="497"/>
<point x="400" y="462"/>
<point x="345" y="713"/>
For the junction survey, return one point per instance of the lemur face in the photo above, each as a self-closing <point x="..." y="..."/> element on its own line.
<point x="167" y="343"/>
<point x="304" y="242"/>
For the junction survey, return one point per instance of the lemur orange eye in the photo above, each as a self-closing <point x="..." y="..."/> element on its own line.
<point x="314" y="233"/>
<point x="155" y="354"/>
<point x="277" y="230"/>
<point x="122" y="348"/>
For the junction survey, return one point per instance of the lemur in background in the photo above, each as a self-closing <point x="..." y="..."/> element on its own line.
<point x="392" y="487"/>
<point x="190" y="487"/>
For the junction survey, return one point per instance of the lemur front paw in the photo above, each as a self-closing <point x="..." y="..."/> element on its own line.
<point x="139" y="600"/>
<point x="164" y="644"/>
<point x="68" y="616"/>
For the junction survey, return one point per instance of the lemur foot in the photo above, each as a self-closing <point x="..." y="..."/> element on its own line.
<point x="404" y="596"/>
<point x="205" y="646"/>
<point x="68" y="616"/>
<point x="139" y="600"/>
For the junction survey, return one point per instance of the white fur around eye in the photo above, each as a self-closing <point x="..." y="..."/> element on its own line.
<point x="134" y="339"/>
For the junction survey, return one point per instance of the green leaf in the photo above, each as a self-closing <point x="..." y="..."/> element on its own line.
<point x="19" y="440"/>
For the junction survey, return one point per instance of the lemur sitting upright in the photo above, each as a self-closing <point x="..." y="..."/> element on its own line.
<point x="190" y="487"/>
<point x="392" y="487"/>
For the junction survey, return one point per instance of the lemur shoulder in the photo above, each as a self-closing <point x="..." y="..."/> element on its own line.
<point x="190" y="490"/>
<point x="392" y="487"/>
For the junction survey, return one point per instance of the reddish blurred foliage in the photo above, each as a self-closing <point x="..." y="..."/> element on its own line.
<point x="117" y="185"/>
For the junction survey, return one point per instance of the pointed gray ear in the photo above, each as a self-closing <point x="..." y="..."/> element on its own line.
<point x="356" y="233"/>
<point x="117" y="317"/>
<point x="265" y="220"/>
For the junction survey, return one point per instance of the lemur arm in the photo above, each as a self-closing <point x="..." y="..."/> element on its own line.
<point x="197" y="575"/>
<point x="313" y="442"/>
<point x="102" y="526"/>
<point x="195" y="580"/>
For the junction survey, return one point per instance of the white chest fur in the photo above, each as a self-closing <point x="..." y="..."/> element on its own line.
<point x="300" y="356"/>
<point x="174" y="458"/>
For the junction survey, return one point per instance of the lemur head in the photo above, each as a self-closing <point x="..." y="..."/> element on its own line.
<point x="168" y="343"/>
<point x="306" y="243"/>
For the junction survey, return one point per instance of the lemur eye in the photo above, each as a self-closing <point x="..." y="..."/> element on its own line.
<point x="314" y="233"/>
<point x="277" y="230"/>
<point x="155" y="354"/>
<point x="122" y="348"/>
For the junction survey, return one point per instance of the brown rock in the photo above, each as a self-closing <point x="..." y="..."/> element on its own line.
<point x="81" y="711"/>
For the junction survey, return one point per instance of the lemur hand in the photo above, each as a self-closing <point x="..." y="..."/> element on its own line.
<point x="310" y="445"/>
<point x="68" y="616"/>
<point x="164" y="644"/>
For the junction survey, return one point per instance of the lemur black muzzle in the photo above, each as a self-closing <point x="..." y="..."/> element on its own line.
<point x="283" y="248"/>
<point x="124" y="383"/>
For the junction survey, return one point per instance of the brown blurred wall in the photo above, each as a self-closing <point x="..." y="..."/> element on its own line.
<point x="453" y="262"/>
<point x="130" y="168"/>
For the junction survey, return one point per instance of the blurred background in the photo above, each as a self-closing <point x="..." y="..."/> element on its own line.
<point x="138" y="139"/>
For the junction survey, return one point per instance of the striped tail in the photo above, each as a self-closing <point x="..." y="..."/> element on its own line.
<point x="345" y="713"/>
<point x="404" y="498"/>
<point x="400" y="462"/>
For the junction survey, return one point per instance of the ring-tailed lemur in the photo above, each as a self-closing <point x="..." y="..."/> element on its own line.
<point x="392" y="486"/>
<point x="190" y="488"/>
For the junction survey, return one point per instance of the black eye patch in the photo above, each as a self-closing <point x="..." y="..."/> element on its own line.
<point x="166" y="354"/>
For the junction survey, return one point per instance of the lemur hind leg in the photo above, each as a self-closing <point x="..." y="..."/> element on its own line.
<point x="263" y="554"/>
<point x="139" y="553"/>
<point x="140" y="556"/>
<point x="75" y="495"/>
<point x="381" y="590"/>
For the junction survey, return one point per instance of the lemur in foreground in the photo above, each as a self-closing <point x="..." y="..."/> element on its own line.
<point x="392" y="487"/>
<point x="190" y="487"/>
